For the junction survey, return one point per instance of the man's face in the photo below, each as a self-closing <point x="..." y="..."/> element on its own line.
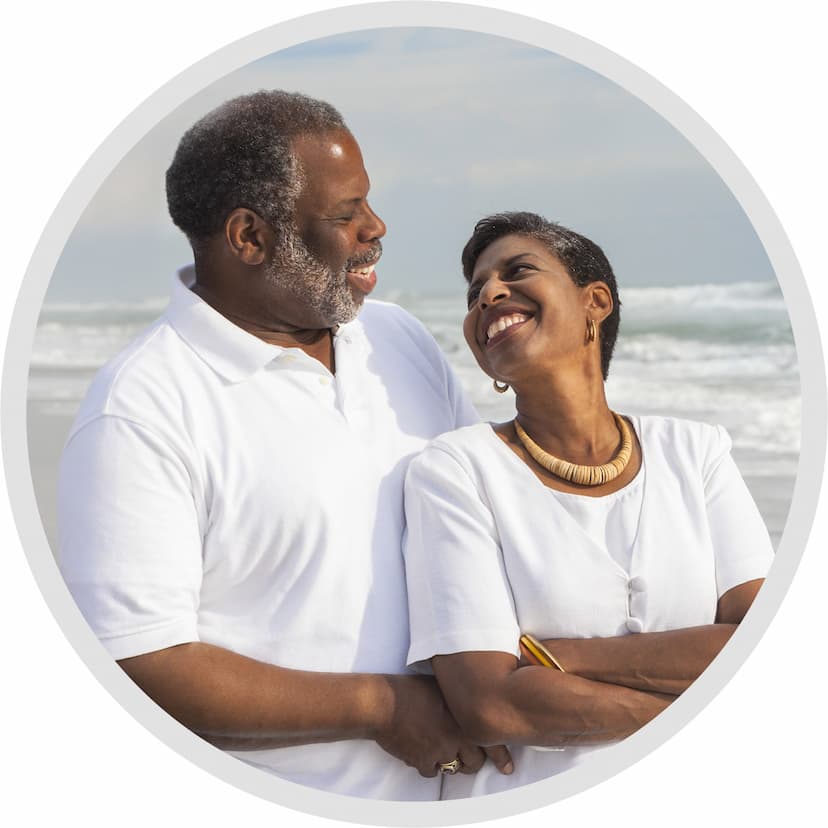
<point x="327" y="263"/>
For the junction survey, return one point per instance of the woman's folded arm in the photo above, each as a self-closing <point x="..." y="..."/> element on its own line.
<point x="663" y="662"/>
<point x="497" y="702"/>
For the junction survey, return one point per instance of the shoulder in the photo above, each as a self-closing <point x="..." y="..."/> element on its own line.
<point x="402" y="343"/>
<point x="140" y="379"/>
<point x="678" y="428"/>
<point x="451" y="470"/>
<point x="461" y="448"/>
<point x="685" y="441"/>
<point x="377" y="315"/>
<point x="462" y="441"/>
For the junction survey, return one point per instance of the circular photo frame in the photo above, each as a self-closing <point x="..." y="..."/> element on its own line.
<point x="463" y="27"/>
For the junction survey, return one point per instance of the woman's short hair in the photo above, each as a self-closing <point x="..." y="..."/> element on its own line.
<point x="583" y="259"/>
<point x="239" y="155"/>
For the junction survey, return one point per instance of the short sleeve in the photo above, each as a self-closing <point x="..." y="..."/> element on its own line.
<point x="458" y="591"/>
<point x="129" y="537"/>
<point x="742" y="546"/>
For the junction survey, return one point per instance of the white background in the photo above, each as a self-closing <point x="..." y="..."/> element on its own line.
<point x="71" y="72"/>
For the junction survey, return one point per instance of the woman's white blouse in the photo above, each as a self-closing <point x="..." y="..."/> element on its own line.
<point x="610" y="520"/>
<point x="491" y="552"/>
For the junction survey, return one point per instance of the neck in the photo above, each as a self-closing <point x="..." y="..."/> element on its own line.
<point x="568" y="417"/>
<point x="249" y="316"/>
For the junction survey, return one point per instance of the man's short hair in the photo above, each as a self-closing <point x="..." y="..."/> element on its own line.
<point x="239" y="155"/>
<point x="583" y="259"/>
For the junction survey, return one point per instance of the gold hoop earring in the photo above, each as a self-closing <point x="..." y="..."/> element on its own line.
<point x="591" y="330"/>
<point x="501" y="389"/>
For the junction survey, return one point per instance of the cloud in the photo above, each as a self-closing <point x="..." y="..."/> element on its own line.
<point x="453" y="124"/>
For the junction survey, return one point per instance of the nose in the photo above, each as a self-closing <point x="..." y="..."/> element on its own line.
<point x="373" y="227"/>
<point x="492" y="292"/>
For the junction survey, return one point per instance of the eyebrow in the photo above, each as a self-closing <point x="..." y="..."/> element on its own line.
<point x="346" y="202"/>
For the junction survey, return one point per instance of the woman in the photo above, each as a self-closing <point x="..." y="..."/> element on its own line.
<point x="630" y="545"/>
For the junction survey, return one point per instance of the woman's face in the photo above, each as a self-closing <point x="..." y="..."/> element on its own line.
<point x="525" y="312"/>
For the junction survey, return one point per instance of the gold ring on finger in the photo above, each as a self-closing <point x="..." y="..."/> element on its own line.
<point x="450" y="767"/>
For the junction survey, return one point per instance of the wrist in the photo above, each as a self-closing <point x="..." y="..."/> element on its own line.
<point x="573" y="654"/>
<point x="380" y="702"/>
<point x="534" y="652"/>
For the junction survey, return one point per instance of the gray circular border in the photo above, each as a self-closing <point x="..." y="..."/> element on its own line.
<point x="487" y="21"/>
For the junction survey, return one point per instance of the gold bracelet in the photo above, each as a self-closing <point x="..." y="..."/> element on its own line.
<point x="535" y="650"/>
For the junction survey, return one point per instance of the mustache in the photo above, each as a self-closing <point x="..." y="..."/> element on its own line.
<point x="369" y="257"/>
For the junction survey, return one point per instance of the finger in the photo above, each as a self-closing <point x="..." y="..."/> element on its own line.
<point x="472" y="758"/>
<point x="500" y="756"/>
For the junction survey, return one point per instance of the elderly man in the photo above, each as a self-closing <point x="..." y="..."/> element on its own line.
<point x="230" y="501"/>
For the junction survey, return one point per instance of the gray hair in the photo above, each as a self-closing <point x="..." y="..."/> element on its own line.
<point x="239" y="155"/>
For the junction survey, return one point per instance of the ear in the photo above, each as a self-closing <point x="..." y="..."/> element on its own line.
<point x="248" y="236"/>
<point x="599" y="301"/>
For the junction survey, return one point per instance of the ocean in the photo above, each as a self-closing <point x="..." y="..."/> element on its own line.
<point x="717" y="353"/>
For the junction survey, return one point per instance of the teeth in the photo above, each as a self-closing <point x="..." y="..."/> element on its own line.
<point x="504" y="322"/>
<point x="364" y="271"/>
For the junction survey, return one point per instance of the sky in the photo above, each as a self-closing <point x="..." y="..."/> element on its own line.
<point x="453" y="125"/>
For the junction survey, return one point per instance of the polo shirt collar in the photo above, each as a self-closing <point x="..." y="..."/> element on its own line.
<point x="231" y="351"/>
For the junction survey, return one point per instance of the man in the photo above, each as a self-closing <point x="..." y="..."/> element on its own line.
<point x="230" y="501"/>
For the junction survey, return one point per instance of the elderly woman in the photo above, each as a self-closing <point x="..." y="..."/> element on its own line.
<point x="628" y="545"/>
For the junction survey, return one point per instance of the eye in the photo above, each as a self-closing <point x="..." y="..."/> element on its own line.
<point x="471" y="296"/>
<point x="518" y="269"/>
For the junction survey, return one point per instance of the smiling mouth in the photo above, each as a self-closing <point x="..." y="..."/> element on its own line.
<point x="363" y="279"/>
<point x="499" y="328"/>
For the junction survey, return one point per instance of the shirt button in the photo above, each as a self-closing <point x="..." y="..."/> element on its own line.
<point x="637" y="584"/>
<point x="323" y="380"/>
<point x="634" y="625"/>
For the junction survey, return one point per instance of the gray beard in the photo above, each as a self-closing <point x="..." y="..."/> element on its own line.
<point x="325" y="292"/>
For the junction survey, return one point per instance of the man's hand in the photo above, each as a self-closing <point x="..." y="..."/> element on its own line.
<point x="243" y="704"/>
<point x="422" y="733"/>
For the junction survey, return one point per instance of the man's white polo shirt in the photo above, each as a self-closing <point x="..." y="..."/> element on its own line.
<point x="220" y="489"/>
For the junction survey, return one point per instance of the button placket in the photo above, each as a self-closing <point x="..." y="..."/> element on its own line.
<point x="351" y="355"/>
<point x="635" y="589"/>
